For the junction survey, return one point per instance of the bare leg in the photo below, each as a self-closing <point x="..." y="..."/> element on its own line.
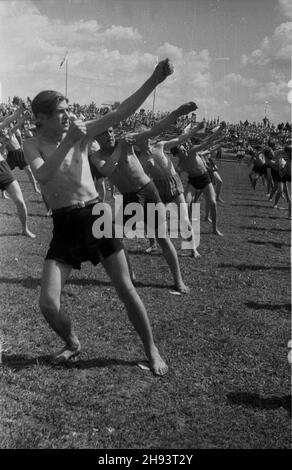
<point x="210" y="196"/>
<point x="55" y="275"/>
<point x="16" y="195"/>
<point x="278" y="190"/>
<point x="218" y="186"/>
<point x="132" y="274"/>
<point x="184" y="219"/>
<point x="117" y="268"/>
<point x="288" y="197"/>
<point x="32" y="179"/>
<point x="169" y="253"/>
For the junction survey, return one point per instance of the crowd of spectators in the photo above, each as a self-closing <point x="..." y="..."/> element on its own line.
<point x="239" y="134"/>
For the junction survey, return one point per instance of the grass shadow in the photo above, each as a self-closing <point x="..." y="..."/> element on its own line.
<point x="250" y="205"/>
<point x="10" y="234"/>
<point x="253" y="267"/>
<point x="266" y="306"/>
<point x="17" y="362"/>
<point x="32" y="283"/>
<point x="262" y="243"/>
<point x="257" y="216"/>
<point x="254" y="400"/>
<point x="263" y="229"/>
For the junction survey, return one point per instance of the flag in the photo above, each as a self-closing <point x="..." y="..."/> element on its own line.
<point x="65" y="57"/>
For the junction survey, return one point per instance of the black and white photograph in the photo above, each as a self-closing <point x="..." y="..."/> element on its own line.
<point x="145" y="227"/>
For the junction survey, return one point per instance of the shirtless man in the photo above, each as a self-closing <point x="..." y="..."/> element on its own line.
<point x="259" y="165"/>
<point x="124" y="169"/>
<point x="160" y="168"/>
<point x="7" y="181"/>
<point x="285" y="173"/>
<point x="199" y="179"/>
<point x="15" y="156"/>
<point x="58" y="156"/>
<point x="276" y="162"/>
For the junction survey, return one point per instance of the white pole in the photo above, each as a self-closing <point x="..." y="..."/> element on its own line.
<point x="154" y="93"/>
<point x="66" y="82"/>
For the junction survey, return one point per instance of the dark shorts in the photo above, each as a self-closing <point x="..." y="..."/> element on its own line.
<point x="200" y="182"/>
<point x="276" y="176"/>
<point x="169" y="188"/>
<point x="6" y="175"/>
<point x="260" y="170"/>
<point x="16" y="158"/>
<point x="148" y="194"/>
<point x="73" y="241"/>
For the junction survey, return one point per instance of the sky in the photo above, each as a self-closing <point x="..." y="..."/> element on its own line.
<point x="232" y="57"/>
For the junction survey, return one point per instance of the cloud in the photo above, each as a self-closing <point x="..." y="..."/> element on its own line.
<point x="239" y="80"/>
<point x="274" y="49"/>
<point x="121" y="32"/>
<point x="274" y="91"/>
<point x="286" y="7"/>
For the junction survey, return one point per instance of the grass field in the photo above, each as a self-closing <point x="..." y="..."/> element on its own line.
<point x="226" y="343"/>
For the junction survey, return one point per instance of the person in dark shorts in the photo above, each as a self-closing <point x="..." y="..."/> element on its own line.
<point x="58" y="156"/>
<point x="199" y="180"/>
<point x="158" y="165"/>
<point x="15" y="156"/>
<point x="9" y="185"/>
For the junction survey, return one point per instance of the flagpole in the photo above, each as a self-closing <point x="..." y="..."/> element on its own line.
<point x="154" y="93"/>
<point x="66" y="79"/>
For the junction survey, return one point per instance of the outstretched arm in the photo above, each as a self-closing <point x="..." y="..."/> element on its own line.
<point x="107" y="166"/>
<point x="181" y="139"/>
<point x="131" y="104"/>
<point x="17" y="125"/>
<point x="166" y="122"/>
<point x="9" y="119"/>
<point x="207" y="142"/>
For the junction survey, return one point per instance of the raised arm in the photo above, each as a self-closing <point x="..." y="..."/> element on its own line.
<point x="207" y="142"/>
<point x="18" y="124"/>
<point x="131" y="104"/>
<point x="4" y="122"/>
<point x="181" y="139"/>
<point x="166" y="122"/>
<point x="107" y="166"/>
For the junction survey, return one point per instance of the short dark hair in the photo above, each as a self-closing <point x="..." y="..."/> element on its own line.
<point x="46" y="102"/>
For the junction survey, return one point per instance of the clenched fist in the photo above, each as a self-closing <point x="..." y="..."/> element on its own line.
<point x="77" y="131"/>
<point x="162" y="70"/>
<point x="187" y="108"/>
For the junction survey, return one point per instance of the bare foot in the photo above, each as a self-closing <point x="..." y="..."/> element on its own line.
<point x="28" y="233"/>
<point x="67" y="353"/>
<point x="152" y="249"/>
<point x="182" y="288"/>
<point x="195" y="254"/>
<point x="217" y="232"/>
<point x="156" y="363"/>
